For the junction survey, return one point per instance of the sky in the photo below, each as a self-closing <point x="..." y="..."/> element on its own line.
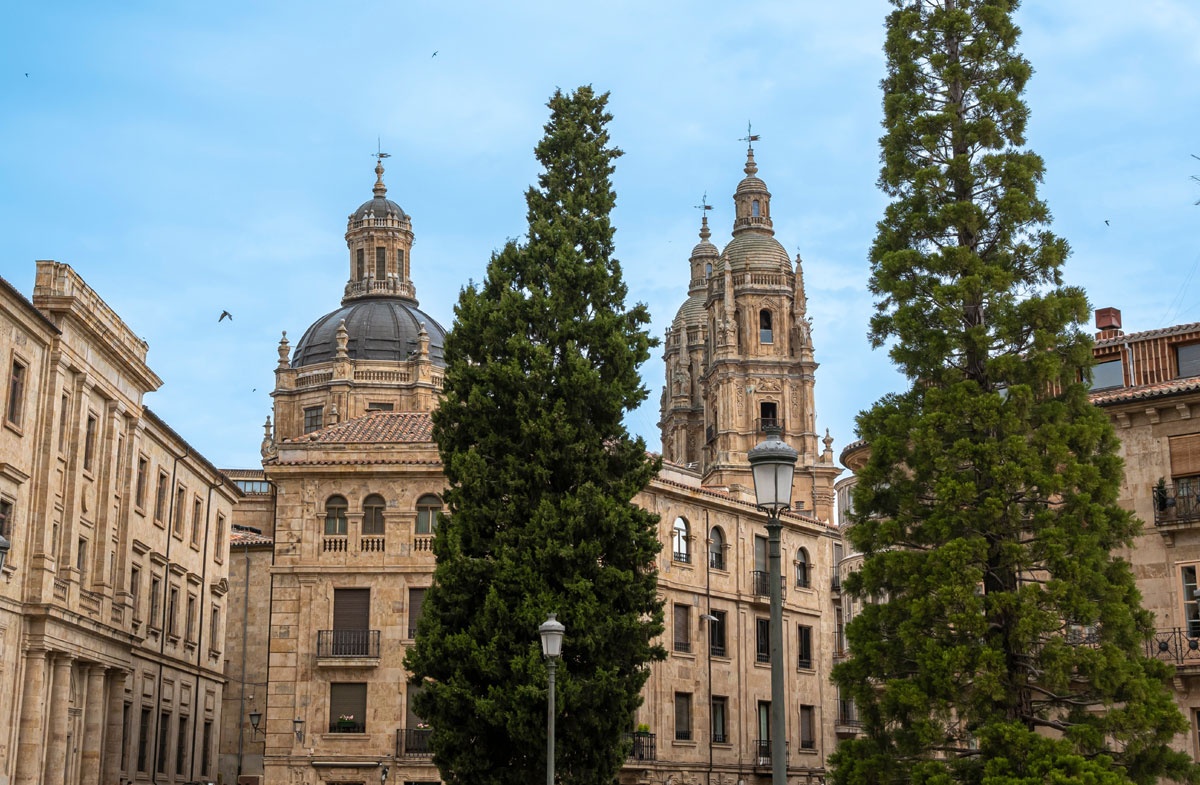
<point x="190" y="158"/>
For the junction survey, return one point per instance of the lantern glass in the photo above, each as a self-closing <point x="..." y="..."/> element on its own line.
<point x="552" y="631"/>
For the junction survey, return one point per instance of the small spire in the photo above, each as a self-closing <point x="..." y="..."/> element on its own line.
<point x="704" y="233"/>
<point x="380" y="188"/>
<point x="751" y="167"/>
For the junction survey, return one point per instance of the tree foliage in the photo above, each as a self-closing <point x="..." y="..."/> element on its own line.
<point x="999" y="641"/>
<point x="542" y="364"/>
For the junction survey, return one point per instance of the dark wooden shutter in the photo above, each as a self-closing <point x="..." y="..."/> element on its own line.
<point x="1185" y="455"/>
<point x="348" y="700"/>
<point x="416" y="597"/>
<point x="351" y="609"/>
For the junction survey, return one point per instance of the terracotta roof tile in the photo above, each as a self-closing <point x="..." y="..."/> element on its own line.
<point x="244" y="538"/>
<point x="394" y="427"/>
<point x="1145" y="391"/>
<point x="1178" y="329"/>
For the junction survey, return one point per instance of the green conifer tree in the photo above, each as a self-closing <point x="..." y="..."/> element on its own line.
<point x="541" y="366"/>
<point x="999" y="640"/>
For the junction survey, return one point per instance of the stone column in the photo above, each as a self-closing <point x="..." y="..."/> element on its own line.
<point x="60" y="696"/>
<point x="115" y="735"/>
<point x="29" y="739"/>
<point x="93" y="724"/>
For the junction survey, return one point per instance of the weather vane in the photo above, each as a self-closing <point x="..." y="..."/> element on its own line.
<point x="704" y="205"/>
<point x="379" y="155"/>
<point x="750" y="138"/>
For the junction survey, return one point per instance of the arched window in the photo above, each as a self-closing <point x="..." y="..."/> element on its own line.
<point x="716" y="548"/>
<point x="708" y="270"/>
<point x="373" y="514"/>
<point x="679" y="541"/>
<point x="335" y="515"/>
<point x="754" y="209"/>
<point x="802" y="569"/>
<point x="765" y="333"/>
<point x="428" y="507"/>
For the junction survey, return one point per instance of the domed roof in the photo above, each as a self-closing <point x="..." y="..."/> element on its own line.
<point x="691" y="313"/>
<point x="756" y="252"/>
<point x="383" y="328"/>
<point x="379" y="207"/>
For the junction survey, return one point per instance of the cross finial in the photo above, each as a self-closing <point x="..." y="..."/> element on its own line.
<point x="704" y="205"/>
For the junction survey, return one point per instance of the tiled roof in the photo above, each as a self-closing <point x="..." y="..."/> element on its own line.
<point x="374" y="427"/>
<point x="1146" y="391"/>
<point x="245" y="474"/>
<point x="241" y="537"/>
<point x="1162" y="332"/>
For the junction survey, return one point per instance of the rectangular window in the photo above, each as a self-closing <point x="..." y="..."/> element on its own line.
<point x="206" y="750"/>
<point x="81" y="549"/>
<point x="1107" y="375"/>
<point x="64" y="412"/>
<point x="197" y="520"/>
<point x="360" y="262"/>
<point x="173" y="612"/>
<point x="135" y="588"/>
<point x="312" y="418"/>
<point x="180" y="495"/>
<point x="380" y="406"/>
<point x="762" y="639"/>
<point x="768" y="415"/>
<point x="764" y="730"/>
<point x="139" y="495"/>
<point x="164" y="741"/>
<point x="214" y="629"/>
<point x="126" y="714"/>
<point x="160" y="498"/>
<point x="144" y="742"/>
<point x="1191" y="602"/>
<point x="808" y="738"/>
<point x="219" y="547"/>
<point x="683" y="628"/>
<point x="191" y="618"/>
<point x="720" y="733"/>
<point x="716" y="633"/>
<point x="6" y="521"/>
<point x="347" y="707"/>
<point x="804" y="646"/>
<point x="181" y="746"/>
<point x="381" y="263"/>
<point x="400" y="262"/>
<point x="351" y="622"/>
<point x="1188" y="360"/>
<point x="16" y="393"/>
<point x="155" y="601"/>
<point x="89" y="442"/>
<point x="416" y="598"/>
<point x="683" y="716"/>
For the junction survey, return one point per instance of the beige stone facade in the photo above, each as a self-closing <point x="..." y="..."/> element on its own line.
<point x="113" y="599"/>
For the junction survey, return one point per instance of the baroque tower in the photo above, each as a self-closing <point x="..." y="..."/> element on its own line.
<point x="739" y="357"/>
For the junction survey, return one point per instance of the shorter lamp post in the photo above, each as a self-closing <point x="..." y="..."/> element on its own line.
<point x="773" y="463"/>
<point x="551" y="631"/>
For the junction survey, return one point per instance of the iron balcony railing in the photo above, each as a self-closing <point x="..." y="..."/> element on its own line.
<point x="836" y="583"/>
<point x="643" y="746"/>
<point x="762" y="749"/>
<point x="682" y="556"/>
<point x="848" y="714"/>
<point x="348" y="643"/>
<point x="413" y="743"/>
<point x="347" y="726"/>
<point x="716" y="560"/>
<point x="1175" y="504"/>
<point x="683" y="646"/>
<point x="1177" y="645"/>
<point x="760" y="584"/>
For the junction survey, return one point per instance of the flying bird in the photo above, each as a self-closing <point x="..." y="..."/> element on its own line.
<point x="224" y="315"/>
<point x="434" y="53"/>
<point x="1106" y="222"/>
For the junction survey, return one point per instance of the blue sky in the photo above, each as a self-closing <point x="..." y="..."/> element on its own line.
<point x="191" y="158"/>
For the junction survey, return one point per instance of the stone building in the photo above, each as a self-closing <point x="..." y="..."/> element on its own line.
<point x="337" y="556"/>
<point x="113" y="597"/>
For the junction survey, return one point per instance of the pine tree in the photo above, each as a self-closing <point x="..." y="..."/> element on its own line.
<point x="1000" y="641"/>
<point x="541" y="366"/>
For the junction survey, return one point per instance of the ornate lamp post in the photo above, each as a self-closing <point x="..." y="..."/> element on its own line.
<point x="773" y="463"/>
<point x="552" y="635"/>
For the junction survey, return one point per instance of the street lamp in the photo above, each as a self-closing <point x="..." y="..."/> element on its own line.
<point x="255" y="719"/>
<point x="552" y="636"/>
<point x="773" y="464"/>
<point x="298" y="727"/>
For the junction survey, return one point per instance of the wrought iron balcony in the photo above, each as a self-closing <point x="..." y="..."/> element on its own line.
<point x="847" y="715"/>
<point x="835" y="584"/>
<point x="684" y="647"/>
<point x="762" y="750"/>
<point x="644" y="746"/>
<point x="760" y="584"/>
<point x="347" y="726"/>
<point x="682" y="556"/>
<point x="413" y="743"/>
<point x="716" y="560"/>
<point x="1178" y="645"/>
<point x="1175" y="505"/>
<point x="361" y="644"/>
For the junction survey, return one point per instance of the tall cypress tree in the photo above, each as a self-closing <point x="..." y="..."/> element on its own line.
<point x="542" y="364"/>
<point x="999" y="641"/>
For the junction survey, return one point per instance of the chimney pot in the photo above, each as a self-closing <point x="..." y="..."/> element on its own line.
<point x="1108" y="319"/>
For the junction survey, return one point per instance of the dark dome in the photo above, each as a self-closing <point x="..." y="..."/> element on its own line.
<point x="379" y="207"/>
<point x="381" y="328"/>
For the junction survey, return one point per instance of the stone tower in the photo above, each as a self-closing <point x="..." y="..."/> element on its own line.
<point x="739" y="356"/>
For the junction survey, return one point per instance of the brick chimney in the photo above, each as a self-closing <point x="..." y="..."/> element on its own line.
<point x="1108" y="323"/>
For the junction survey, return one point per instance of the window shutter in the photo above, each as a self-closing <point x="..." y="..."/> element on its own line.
<point x="351" y="609"/>
<point x="348" y="700"/>
<point x="1185" y="455"/>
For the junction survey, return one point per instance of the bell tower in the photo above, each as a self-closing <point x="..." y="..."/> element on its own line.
<point x="759" y="368"/>
<point x="379" y="235"/>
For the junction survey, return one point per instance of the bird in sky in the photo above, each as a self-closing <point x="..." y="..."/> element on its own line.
<point x="434" y="53"/>
<point x="224" y="315"/>
<point x="1106" y="222"/>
